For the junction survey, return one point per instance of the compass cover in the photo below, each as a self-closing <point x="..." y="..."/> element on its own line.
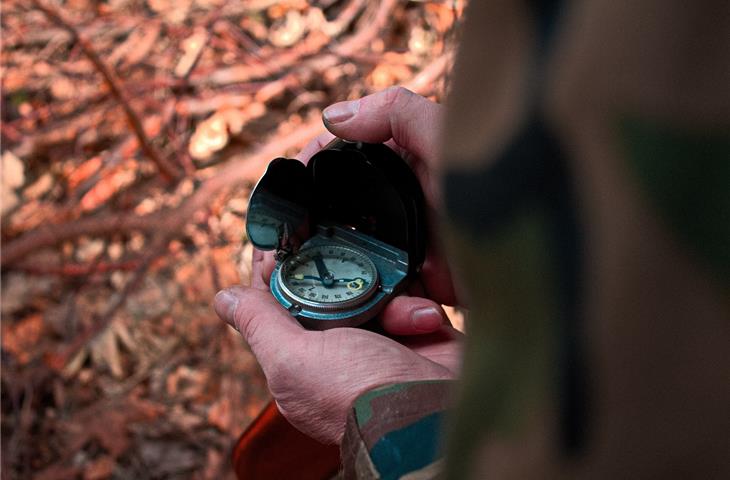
<point x="365" y="187"/>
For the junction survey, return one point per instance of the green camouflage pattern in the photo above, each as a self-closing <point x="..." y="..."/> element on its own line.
<point x="586" y="187"/>
<point x="395" y="431"/>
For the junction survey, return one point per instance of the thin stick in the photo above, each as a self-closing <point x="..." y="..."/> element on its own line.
<point x="76" y="269"/>
<point x="168" y="170"/>
<point x="59" y="359"/>
<point x="242" y="169"/>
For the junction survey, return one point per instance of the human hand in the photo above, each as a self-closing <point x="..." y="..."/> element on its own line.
<point x="315" y="376"/>
<point x="409" y="124"/>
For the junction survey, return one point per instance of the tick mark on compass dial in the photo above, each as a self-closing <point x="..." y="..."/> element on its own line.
<point x="329" y="275"/>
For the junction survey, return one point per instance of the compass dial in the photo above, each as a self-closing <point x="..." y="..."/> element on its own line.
<point x="328" y="277"/>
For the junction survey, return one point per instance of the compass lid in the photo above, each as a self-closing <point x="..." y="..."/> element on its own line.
<point x="365" y="187"/>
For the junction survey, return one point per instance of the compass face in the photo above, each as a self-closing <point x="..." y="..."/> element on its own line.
<point x="328" y="277"/>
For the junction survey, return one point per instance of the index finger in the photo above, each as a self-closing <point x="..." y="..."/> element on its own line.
<point x="314" y="146"/>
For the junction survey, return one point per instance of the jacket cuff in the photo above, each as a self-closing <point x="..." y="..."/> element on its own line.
<point x="394" y="430"/>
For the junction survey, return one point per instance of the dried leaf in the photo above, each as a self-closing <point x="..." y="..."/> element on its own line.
<point x="39" y="188"/>
<point x="192" y="46"/>
<point x="175" y="11"/>
<point x="89" y="249"/>
<point x="290" y="31"/>
<point x="142" y="42"/>
<point x="219" y="414"/>
<point x="70" y="369"/>
<point x="212" y="134"/>
<point x="421" y="41"/>
<point x="76" y="175"/>
<point x="107" y="422"/>
<point x="100" y="468"/>
<point x="63" y="88"/>
<point x="19" y="338"/>
<point x="106" y="188"/>
<point x="186" y="382"/>
<point x="13" y="177"/>
<point x="104" y="351"/>
<point x="57" y="472"/>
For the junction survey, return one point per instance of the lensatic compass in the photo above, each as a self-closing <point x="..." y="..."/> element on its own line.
<point x="348" y="231"/>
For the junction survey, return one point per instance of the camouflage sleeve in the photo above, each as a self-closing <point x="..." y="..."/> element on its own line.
<point x="394" y="432"/>
<point x="585" y="177"/>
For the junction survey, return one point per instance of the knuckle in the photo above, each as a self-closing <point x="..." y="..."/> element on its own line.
<point x="244" y="316"/>
<point x="398" y="96"/>
<point x="281" y="371"/>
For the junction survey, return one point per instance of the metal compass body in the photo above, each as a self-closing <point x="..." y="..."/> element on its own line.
<point x="347" y="229"/>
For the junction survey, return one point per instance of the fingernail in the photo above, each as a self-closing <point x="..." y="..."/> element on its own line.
<point x="426" y="319"/>
<point x="225" y="304"/>
<point x="340" y="112"/>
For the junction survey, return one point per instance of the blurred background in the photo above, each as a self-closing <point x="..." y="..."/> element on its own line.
<point x="132" y="133"/>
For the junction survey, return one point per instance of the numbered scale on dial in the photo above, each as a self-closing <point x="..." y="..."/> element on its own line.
<point x="328" y="277"/>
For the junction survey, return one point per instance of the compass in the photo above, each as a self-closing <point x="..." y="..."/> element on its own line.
<point x="347" y="229"/>
<point x="328" y="277"/>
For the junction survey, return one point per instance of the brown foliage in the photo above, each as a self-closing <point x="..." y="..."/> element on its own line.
<point x="132" y="132"/>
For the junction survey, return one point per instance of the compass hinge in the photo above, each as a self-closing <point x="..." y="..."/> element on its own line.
<point x="286" y="245"/>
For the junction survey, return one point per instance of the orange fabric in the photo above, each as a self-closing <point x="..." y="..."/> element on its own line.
<point x="272" y="448"/>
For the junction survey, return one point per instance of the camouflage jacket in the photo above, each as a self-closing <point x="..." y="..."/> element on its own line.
<point x="586" y="191"/>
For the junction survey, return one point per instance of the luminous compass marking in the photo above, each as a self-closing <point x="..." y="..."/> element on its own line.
<point x="328" y="277"/>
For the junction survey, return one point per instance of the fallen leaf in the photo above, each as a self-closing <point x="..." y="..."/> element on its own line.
<point x="385" y="75"/>
<point x="142" y="42"/>
<point x="106" y="422"/>
<point x="186" y="382"/>
<point x="57" y="472"/>
<point x="13" y="177"/>
<point x="19" y="338"/>
<point x="168" y="459"/>
<point x="40" y="187"/>
<point x="219" y="414"/>
<point x="210" y="136"/>
<point x="192" y="46"/>
<point x="19" y="289"/>
<point x="63" y="88"/>
<point x="100" y="468"/>
<point x="89" y="249"/>
<point x="104" y="351"/>
<point x="107" y="187"/>
<point x="78" y="174"/>
<point x="184" y="419"/>
<point x="288" y="32"/>
<point x="176" y="11"/>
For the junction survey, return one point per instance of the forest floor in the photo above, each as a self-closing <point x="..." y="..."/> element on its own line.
<point x="132" y="133"/>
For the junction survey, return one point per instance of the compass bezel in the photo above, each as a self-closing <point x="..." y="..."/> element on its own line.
<point x="345" y="304"/>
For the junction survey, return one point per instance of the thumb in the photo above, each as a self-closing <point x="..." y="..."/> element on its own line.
<point x="409" y="119"/>
<point x="406" y="315"/>
<point x="263" y="323"/>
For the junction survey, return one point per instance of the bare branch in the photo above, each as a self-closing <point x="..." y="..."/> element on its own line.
<point x="249" y="168"/>
<point x="168" y="170"/>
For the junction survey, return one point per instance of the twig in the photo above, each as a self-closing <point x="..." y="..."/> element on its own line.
<point x="238" y="170"/>
<point x="425" y="79"/>
<point x="366" y="34"/>
<point x="59" y="359"/>
<point x="76" y="269"/>
<point x="307" y="52"/>
<point x="168" y="170"/>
